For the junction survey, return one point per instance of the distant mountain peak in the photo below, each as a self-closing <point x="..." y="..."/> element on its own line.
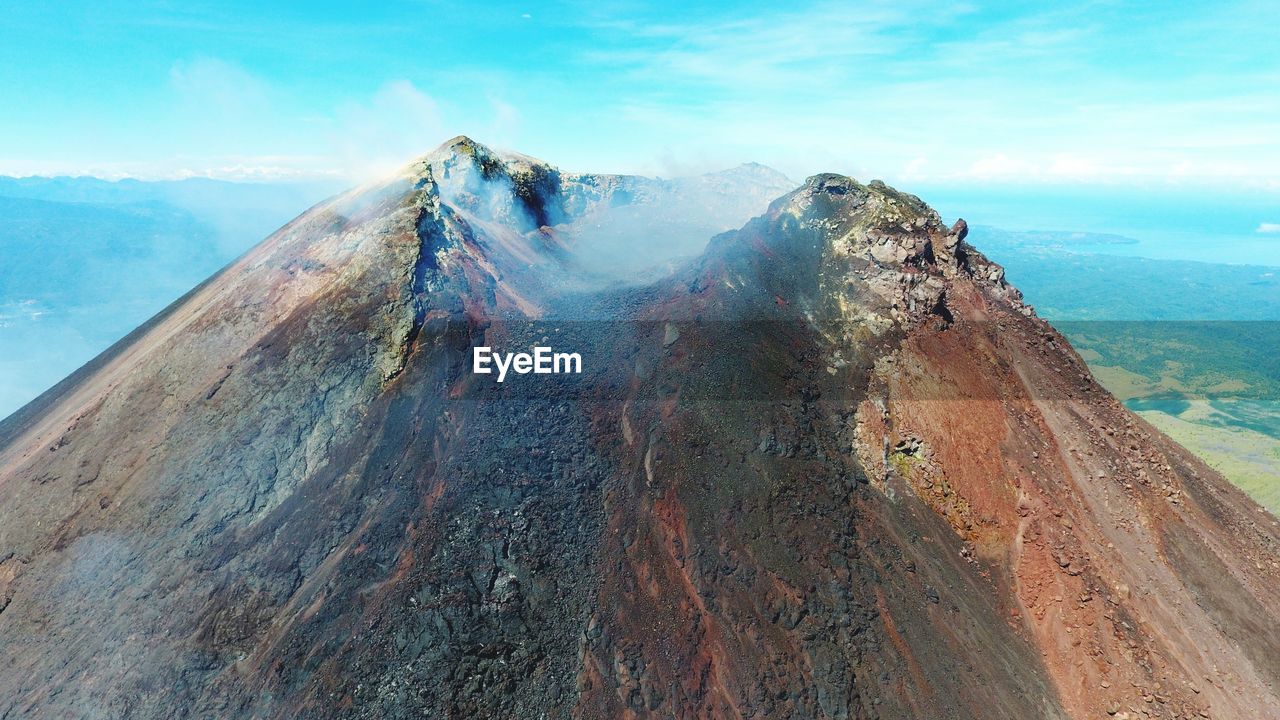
<point x="758" y="171"/>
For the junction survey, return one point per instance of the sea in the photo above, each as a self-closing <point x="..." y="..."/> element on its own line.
<point x="1205" y="225"/>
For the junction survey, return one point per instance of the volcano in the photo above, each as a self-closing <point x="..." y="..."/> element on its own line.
<point x="825" y="465"/>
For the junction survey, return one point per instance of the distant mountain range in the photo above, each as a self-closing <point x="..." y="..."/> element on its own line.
<point x="83" y="261"/>
<point x="234" y="215"/>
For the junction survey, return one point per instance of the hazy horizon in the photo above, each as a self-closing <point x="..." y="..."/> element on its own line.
<point x="1169" y="222"/>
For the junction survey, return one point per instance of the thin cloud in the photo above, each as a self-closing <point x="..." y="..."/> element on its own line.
<point x="217" y="90"/>
<point x="895" y="89"/>
<point x="374" y="137"/>
<point x="1037" y="95"/>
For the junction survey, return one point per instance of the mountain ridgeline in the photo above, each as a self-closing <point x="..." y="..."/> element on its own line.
<point x="825" y="465"/>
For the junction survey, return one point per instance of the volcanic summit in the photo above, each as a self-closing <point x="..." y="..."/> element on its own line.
<point x="824" y="465"/>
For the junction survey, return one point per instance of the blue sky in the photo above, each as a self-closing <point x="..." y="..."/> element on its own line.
<point x="1140" y="94"/>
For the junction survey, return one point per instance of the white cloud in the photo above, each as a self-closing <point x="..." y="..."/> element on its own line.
<point x="401" y="122"/>
<point x="504" y="127"/>
<point x="230" y="121"/>
<point x="269" y="168"/>
<point x="883" y="88"/>
<point x="805" y="88"/>
<point x="915" y="169"/>
<point x="398" y="123"/>
<point x="999" y="166"/>
<point x="1073" y="166"/>
<point x="788" y="49"/>
<point x="1267" y="227"/>
<point x="215" y="91"/>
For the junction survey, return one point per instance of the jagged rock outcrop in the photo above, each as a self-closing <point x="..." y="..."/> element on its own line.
<point x="832" y="467"/>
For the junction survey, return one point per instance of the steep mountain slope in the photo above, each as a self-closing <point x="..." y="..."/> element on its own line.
<point x="83" y="261"/>
<point x="831" y="468"/>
